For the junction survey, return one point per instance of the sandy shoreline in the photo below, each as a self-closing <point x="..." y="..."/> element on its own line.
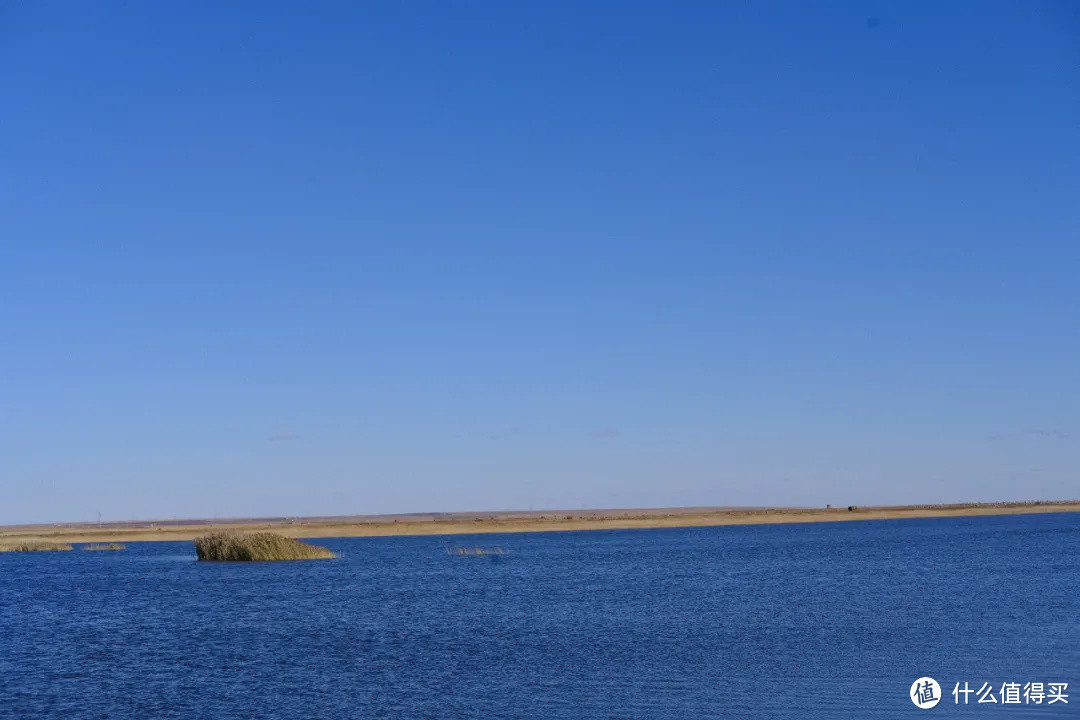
<point x="508" y="522"/>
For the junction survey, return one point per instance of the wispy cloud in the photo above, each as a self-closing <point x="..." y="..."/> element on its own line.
<point x="503" y="435"/>
<point x="1032" y="433"/>
<point x="606" y="433"/>
<point x="1053" y="433"/>
<point x="283" y="437"/>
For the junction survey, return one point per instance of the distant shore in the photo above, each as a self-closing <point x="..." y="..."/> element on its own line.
<point x="507" y="521"/>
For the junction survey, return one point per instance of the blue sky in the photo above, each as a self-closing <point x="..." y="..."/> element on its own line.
<point x="282" y="258"/>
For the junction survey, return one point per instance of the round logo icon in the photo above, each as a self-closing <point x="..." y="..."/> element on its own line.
<point x="925" y="693"/>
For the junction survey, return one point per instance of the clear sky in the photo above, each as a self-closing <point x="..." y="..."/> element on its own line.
<point x="327" y="258"/>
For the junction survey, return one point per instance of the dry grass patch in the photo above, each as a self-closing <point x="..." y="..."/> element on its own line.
<point x="105" y="546"/>
<point x="34" y="546"/>
<point x="260" y="546"/>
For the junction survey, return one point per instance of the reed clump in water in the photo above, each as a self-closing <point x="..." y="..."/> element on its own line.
<point x="260" y="546"/>
<point x="105" y="546"/>
<point x="34" y="546"/>
<point x="462" y="550"/>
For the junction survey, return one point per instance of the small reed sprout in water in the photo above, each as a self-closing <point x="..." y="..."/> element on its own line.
<point x="105" y="546"/>
<point x="462" y="550"/>
<point x="34" y="546"/>
<point x="260" y="546"/>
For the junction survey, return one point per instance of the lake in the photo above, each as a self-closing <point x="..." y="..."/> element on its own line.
<point x="824" y="620"/>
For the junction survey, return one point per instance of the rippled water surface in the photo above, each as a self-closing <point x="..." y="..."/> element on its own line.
<point x="786" y="621"/>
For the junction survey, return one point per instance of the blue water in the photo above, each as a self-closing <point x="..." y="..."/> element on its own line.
<point x="828" y="620"/>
